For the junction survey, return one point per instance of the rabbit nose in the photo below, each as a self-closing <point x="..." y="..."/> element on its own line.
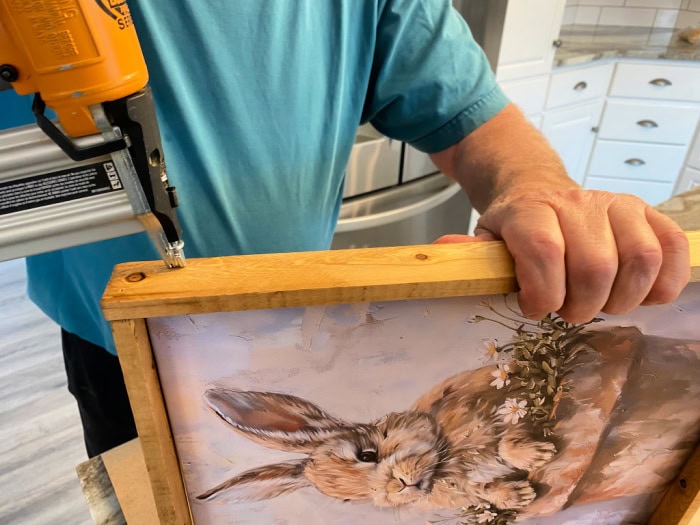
<point x="418" y="484"/>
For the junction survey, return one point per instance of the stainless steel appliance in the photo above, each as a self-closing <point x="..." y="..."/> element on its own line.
<point x="413" y="213"/>
<point x="394" y="195"/>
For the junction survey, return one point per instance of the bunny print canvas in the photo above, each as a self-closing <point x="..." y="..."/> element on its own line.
<point x="445" y="411"/>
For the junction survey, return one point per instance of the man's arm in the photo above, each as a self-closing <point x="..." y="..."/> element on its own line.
<point x="576" y="252"/>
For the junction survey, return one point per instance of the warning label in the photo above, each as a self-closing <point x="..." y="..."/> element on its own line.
<point x="60" y="186"/>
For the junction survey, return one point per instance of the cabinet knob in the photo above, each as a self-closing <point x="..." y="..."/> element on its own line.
<point x="647" y="124"/>
<point x="661" y="82"/>
<point x="580" y="86"/>
<point x="635" y="162"/>
<point x="558" y="43"/>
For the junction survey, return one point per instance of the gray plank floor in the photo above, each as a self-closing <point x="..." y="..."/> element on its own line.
<point x="40" y="434"/>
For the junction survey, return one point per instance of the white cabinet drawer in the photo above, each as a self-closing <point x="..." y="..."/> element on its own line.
<point x="581" y="84"/>
<point x="649" y="121"/>
<point x="651" y="192"/>
<point x="630" y="160"/>
<point x="528" y="94"/>
<point x="669" y="82"/>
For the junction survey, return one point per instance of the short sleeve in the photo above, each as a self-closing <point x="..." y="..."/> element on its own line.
<point x="431" y="83"/>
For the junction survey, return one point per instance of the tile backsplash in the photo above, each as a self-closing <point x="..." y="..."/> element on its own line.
<point x="639" y="13"/>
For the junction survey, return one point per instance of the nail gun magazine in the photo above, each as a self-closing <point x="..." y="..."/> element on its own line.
<point x="92" y="166"/>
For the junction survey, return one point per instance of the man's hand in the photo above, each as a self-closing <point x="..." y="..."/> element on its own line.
<point x="576" y="252"/>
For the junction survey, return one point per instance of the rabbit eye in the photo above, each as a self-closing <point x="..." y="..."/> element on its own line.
<point x="368" y="456"/>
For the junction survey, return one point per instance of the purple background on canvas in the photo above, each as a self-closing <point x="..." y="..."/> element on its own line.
<point x="357" y="362"/>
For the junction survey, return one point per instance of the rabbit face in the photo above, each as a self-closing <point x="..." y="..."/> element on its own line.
<point x="391" y="462"/>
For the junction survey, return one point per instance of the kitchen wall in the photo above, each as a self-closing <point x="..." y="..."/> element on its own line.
<point x="639" y="13"/>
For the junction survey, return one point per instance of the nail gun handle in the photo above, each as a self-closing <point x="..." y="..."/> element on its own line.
<point x="75" y="54"/>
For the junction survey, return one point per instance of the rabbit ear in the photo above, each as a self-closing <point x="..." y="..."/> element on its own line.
<point x="262" y="483"/>
<point x="277" y="421"/>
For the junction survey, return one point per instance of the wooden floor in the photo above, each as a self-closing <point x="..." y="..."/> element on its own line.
<point x="40" y="434"/>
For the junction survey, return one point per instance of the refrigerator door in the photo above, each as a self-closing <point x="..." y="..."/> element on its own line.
<point x="416" y="164"/>
<point x="414" y="213"/>
<point x="374" y="163"/>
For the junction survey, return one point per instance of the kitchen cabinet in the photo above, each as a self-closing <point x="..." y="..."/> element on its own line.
<point x="637" y="161"/>
<point x="649" y="121"/>
<point x="571" y="132"/>
<point x="655" y="79"/>
<point x="529" y="94"/>
<point x="527" y="43"/>
<point x="650" y="116"/>
<point x="651" y="191"/>
<point x="573" y="109"/>
<point x="577" y="85"/>
<point x="524" y="57"/>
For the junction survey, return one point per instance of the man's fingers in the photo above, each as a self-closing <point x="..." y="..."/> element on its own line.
<point x="535" y="241"/>
<point x="455" y="238"/>
<point x="591" y="262"/>
<point x="675" y="266"/>
<point x="582" y="252"/>
<point x="639" y="258"/>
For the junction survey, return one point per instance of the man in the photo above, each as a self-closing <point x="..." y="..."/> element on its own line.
<point x="258" y="103"/>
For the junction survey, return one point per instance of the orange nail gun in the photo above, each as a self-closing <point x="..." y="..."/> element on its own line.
<point x="99" y="171"/>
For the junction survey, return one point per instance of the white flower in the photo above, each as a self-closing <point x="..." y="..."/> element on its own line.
<point x="501" y="375"/>
<point x="512" y="410"/>
<point x="491" y="349"/>
<point x="486" y="517"/>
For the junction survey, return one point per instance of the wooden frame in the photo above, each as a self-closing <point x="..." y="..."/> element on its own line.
<point x="138" y="291"/>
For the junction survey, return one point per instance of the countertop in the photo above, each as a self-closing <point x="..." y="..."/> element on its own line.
<point x="585" y="43"/>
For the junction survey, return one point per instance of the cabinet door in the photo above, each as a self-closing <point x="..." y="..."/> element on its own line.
<point x="527" y="45"/>
<point x="571" y="133"/>
<point x="651" y="192"/>
<point x="528" y="94"/>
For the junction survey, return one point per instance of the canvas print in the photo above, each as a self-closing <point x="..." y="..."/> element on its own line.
<point x="445" y="411"/>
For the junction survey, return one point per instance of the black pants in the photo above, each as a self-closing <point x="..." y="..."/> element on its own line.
<point x="95" y="380"/>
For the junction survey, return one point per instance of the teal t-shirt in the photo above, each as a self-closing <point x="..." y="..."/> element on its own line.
<point x="258" y="104"/>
